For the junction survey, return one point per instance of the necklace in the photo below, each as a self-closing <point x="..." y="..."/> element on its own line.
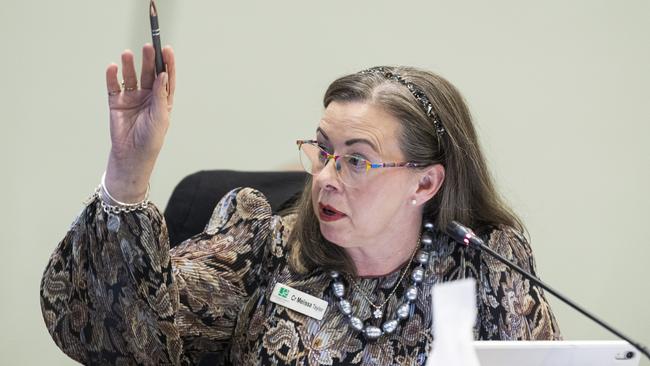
<point x="406" y="307"/>
<point x="378" y="313"/>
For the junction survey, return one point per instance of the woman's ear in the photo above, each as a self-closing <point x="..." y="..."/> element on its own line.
<point x="429" y="183"/>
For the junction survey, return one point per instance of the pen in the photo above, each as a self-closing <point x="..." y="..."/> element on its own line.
<point x="155" y="37"/>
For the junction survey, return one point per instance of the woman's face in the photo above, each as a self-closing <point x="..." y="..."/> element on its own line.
<point x="355" y="216"/>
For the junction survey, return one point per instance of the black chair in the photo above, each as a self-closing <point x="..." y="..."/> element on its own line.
<point x="195" y="197"/>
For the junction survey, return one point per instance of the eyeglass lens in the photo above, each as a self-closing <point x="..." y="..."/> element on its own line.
<point x="350" y="169"/>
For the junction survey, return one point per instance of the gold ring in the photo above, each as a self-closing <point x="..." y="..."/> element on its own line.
<point x="129" y="88"/>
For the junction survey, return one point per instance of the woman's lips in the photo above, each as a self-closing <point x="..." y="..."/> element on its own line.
<point x="329" y="213"/>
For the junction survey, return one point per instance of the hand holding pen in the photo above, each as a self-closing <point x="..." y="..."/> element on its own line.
<point x="139" y="118"/>
<point x="139" y="115"/>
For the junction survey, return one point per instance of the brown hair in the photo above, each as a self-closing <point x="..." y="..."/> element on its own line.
<point x="467" y="195"/>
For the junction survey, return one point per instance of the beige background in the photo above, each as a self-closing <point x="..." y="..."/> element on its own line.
<point x="559" y="90"/>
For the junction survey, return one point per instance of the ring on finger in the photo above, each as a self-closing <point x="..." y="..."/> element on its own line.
<point x="129" y="88"/>
<point x="114" y="92"/>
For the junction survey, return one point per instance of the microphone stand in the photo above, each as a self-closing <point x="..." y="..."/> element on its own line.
<point x="466" y="237"/>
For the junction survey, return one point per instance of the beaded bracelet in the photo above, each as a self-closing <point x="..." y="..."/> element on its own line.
<point x="111" y="205"/>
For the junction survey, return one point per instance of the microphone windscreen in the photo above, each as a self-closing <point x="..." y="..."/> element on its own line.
<point x="457" y="232"/>
<point x="463" y="235"/>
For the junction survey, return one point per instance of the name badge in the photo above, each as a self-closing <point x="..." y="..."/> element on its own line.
<point x="298" y="301"/>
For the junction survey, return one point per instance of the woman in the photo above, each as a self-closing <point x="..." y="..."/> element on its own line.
<point x="395" y="157"/>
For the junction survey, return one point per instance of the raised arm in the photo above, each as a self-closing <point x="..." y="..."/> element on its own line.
<point x="112" y="293"/>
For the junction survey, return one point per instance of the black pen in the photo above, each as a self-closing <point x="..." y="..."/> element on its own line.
<point x="155" y="36"/>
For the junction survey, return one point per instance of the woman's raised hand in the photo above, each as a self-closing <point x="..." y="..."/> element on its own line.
<point x="139" y="118"/>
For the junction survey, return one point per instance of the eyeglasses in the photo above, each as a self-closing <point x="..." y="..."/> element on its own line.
<point x="352" y="169"/>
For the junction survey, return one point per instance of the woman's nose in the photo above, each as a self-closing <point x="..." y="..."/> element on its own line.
<point x="328" y="178"/>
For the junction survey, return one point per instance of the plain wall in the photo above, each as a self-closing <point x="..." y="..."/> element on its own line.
<point x="559" y="91"/>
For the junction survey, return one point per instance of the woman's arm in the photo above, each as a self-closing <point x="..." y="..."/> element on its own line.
<point x="113" y="293"/>
<point x="107" y="294"/>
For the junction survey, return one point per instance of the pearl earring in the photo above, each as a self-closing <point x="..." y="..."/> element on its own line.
<point x="414" y="202"/>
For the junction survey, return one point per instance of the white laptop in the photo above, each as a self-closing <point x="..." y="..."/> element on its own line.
<point x="557" y="353"/>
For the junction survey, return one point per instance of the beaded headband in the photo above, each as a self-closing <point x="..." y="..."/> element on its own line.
<point x="417" y="93"/>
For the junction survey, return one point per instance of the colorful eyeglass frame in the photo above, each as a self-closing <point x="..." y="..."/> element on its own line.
<point x="369" y="165"/>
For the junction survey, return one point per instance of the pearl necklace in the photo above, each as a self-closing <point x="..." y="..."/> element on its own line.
<point x="404" y="310"/>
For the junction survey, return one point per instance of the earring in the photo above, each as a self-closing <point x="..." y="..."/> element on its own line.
<point x="414" y="202"/>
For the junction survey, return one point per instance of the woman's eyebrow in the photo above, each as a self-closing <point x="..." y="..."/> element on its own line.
<point x="351" y="141"/>
<point x="363" y="141"/>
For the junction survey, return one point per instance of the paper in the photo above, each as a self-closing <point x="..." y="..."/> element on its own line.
<point x="454" y="316"/>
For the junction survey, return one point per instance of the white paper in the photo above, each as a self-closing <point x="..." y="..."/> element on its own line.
<point x="454" y="316"/>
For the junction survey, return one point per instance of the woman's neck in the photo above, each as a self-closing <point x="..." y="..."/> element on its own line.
<point x="385" y="255"/>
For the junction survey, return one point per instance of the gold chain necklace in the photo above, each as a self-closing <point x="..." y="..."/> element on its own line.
<point x="378" y="312"/>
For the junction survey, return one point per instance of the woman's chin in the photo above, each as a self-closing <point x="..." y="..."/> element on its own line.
<point x="332" y="235"/>
<point x="335" y="237"/>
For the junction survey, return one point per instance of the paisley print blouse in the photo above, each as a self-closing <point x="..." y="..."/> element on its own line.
<point x="113" y="293"/>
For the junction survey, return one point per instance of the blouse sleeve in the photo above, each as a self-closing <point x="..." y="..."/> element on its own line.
<point x="113" y="292"/>
<point x="510" y="306"/>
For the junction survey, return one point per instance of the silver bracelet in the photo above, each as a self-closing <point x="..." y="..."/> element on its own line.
<point x="114" y="206"/>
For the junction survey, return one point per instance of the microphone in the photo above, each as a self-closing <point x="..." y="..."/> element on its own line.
<point x="466" y="237"/>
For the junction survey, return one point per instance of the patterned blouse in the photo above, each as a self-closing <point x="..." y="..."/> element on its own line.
<point x="114" y="293"/>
